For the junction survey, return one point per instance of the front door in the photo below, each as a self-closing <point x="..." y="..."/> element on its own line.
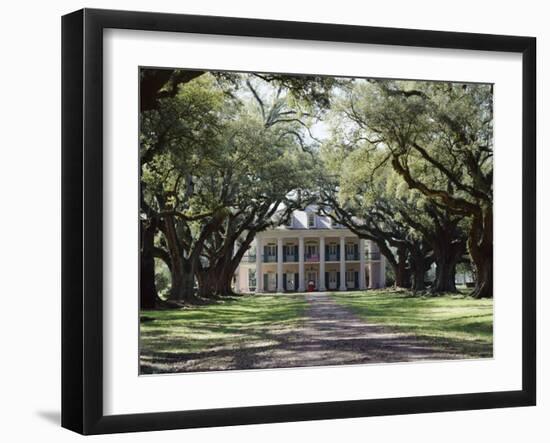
<point x="311" y="276"/>
<point x="332" y="280"/>
<point x="272" y="282"/>
<point x="289" y="281"/>
<point x="350" y="279"/>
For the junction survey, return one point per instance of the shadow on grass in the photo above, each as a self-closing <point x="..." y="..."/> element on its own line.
<point x="455" y="322"/>
<point x="233" y="324"/>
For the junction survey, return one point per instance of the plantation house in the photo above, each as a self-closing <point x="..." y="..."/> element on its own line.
<point x="310" y="252"/>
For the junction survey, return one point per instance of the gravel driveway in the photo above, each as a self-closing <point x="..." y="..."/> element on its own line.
<point x="330" y="335"/>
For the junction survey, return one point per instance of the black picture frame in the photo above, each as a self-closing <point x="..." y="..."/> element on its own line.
<point x="82" y="218"/>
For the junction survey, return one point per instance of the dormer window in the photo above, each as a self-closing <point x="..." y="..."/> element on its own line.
<point x="333" y="223"/>
<point x="310" y="220"/>
<point x="288" y="223"/>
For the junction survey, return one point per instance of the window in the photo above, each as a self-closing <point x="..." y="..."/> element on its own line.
<point x="270" y="252"/>
<point x="350" y="279"/>
<point x="311" y="250"/>
<point x="251" y="279"/>
<point x="288" y="223"/>
<point x="310" y="220"/>
<point x="352" y="251"/>
<point x="291" y="252"/>
<point x="333" y="223"/>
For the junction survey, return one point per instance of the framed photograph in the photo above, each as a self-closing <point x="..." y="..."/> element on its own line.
<point x="269" y="221"/>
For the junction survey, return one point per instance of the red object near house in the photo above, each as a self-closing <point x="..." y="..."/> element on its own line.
<point x="311" y="286"/>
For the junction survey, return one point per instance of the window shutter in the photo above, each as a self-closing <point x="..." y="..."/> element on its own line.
<point x="356" y="250"/>
<point x="338" y="280"/>
<point x="265" y="282"/>
<point x="326" y="279"/>
<point x="356" y="280"/>
<point x="296" y="281"/>
<point x="284" y="282"/>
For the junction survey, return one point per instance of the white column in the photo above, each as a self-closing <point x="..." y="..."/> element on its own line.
<point x="374" y="267"/>
<point x="322" y="264"/>
<point x="237" y="277"/>
<point x="301" y="285"/>
<point x="237" y="274"/>
<point x="343" y="263"/>
<point x="362" y="280"/>
<point x="382" y="271"/>
<point x="259" y="253"/>
<point x="280" y="265"/>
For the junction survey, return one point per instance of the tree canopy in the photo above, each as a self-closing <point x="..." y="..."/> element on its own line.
<point x="406" y="164"/>
<point x="436" y="138"/>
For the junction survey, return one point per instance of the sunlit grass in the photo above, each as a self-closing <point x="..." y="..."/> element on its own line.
<point x="231" y="324"/>
<point x="454" y="322"/>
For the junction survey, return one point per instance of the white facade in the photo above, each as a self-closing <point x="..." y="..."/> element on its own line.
<point x="310" y="253"/>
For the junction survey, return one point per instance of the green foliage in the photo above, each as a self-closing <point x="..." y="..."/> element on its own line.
<point x="220" y="159"/>
<point x="410" y="165"/>
<point x="162" y="279"/>
<point x="225" y="155"/>
<point x="439" y="133"/>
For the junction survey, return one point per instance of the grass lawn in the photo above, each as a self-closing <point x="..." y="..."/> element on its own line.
<point x="454" y="322"/>
<point x="228" y="325"/>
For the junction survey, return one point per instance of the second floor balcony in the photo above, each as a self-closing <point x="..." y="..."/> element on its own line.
<point x="313" y="257"/>
<point x="290" y="258"/>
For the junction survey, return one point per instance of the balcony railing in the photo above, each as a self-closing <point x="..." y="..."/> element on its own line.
<point x="311" y="258"/>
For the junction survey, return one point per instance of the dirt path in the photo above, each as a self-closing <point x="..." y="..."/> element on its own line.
<point x="330" y="335"/>
<point x="334" y="335"/>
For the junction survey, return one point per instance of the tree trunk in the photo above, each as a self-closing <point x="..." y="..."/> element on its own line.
<point x="484" y="282"/>
<point x="446" y="258"/>
<point x="444" y="276"/>
<point x="419" y="272"/>
<point x="480" y="245"/>
<point x="147" y="288"/>
<point x="209" y="282"/>
<point x="182" y="270"/>
<point x="402" y="274"/>
<point x="225" y="285"/>
<point x="183" y="284"/>
<point x="216" y="280"/>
